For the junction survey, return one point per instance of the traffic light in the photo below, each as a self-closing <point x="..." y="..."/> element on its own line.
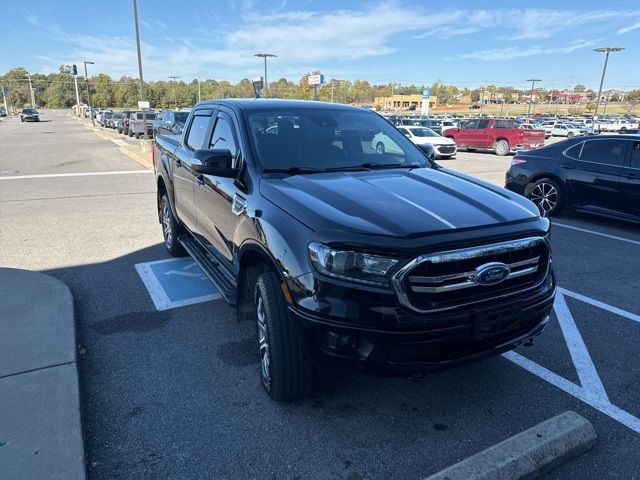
<point x="75" y="71"/>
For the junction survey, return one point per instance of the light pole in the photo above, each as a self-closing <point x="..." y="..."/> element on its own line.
<point x="198" y="80"/>
<point x="533" y="83"/>
<point x="86" y="82"/>
<point x="75" y="83"/>
<point x="605" y="50"/>
<point x="144" y="110"/>
<point x="33" y="96"/>
<point x="265" y="56"/>
<point x="175" y="95"/>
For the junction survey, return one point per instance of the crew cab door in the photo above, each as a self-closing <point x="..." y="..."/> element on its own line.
<point x="220" y="201"/>
<point x="465" y="135"/>
<point x="630" y="181"/>
<point x="182" y="168"/>
<point x="593" y="169"/>
<point x="483" y="134"/>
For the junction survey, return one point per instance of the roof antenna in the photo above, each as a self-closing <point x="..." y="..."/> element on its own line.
<point x="258" y="85"/>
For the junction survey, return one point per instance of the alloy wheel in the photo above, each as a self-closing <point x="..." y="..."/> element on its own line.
<point x="545" y="196"/>
<point x="166" y="225"/>
<point x="263" y="344"/>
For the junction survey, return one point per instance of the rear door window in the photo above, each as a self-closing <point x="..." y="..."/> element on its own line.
<point x="483" y="124"/>
<point x="606" y="152"/>
<point x="635" y="156"/>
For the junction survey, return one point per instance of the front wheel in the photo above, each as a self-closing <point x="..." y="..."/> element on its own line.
<point x="171" y="229"/>
<point x="380" y="148"/>
<point x="570" y="135"/>
<point x="285" y="371"/>
<point x="502" y="147"/>
<point x="547" y="195"/>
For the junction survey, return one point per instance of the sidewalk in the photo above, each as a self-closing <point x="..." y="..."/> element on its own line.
<point x="40" y="428"/>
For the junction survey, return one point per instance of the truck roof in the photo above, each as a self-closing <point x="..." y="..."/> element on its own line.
<point x="273" y="103"/>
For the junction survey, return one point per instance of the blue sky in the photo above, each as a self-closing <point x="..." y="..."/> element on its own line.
<point x="467" y="43"/>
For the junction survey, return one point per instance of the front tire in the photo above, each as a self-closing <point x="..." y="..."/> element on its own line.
<point x="502" y="148"/>
<point x="548" y="195"/>
<point x="171" y="229"/>
<point x="285" y="371"/>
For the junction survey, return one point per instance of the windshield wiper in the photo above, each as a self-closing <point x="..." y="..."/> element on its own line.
<point x="390" y="165"/>
<point x="294" y="170"/>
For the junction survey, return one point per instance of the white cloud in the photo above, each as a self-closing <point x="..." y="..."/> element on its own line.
<point x="303" y="37"/>
<point x="628" y="29"/>
<point x="510" y="53"/>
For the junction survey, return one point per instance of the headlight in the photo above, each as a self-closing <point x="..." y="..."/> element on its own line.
<point x="354" y="266"/>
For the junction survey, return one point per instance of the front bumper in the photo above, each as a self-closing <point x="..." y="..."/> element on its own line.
<point x="445" y="150"/>
<point x="458" y="338"/>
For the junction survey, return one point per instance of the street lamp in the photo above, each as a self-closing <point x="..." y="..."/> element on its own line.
<point x="606" y="50"/>
<point x="175" y="95"/>
<point x="533" y="83"/>
<point x="86" y="82"/>
<point x="265" y="56"/>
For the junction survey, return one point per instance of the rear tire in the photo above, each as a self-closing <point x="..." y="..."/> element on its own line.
<point x="285" y="371"/>
<point x="547" y="194"/>
<point x="502" y="148"/>
<point x="171" y="229"/>
<point x="137" y="136"/>
<point x="570" y="135"/>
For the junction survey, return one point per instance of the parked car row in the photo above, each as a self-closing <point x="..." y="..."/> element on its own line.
<point x="132" y="122"/>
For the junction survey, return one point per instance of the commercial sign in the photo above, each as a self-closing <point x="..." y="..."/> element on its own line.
<point x="316" y="79"/>
<point x="143" y="104"/>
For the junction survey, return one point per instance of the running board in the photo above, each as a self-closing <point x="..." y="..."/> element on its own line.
<point x="211" y="268"/>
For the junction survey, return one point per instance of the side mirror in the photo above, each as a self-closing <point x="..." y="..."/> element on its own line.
<point x="216" y="162"/>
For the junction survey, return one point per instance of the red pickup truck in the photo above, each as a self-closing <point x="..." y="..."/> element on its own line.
<point x="497" y="134"/>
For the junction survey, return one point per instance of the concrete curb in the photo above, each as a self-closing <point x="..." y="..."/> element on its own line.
<point x="40" y="424"/>
<point x="528" y="454"/>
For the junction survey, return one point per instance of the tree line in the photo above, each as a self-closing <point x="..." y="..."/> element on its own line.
<point x="56" y="90"/>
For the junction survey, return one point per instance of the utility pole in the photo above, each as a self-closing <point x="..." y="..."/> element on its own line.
<point x="144" y="110"/>
<point x="33" y="95"/>
<point x="606" y="50"/>
<point x="86" y="81"/>
<point x="4" y="98"/>
<point x="198" y="80"/>
<point x="265" y="56"/>
<point x="481" y="100"/>
<point x="75" y="82"/>
<point x="175" y="95"/>
<point x="533" y="83"/>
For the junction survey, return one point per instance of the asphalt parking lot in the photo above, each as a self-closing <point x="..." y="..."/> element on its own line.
<point x="169" y="379"/>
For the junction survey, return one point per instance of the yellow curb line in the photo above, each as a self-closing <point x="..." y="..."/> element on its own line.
<point x="145" y="162"/>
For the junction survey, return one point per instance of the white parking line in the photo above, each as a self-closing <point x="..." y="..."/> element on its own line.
<point x="586" y="230"/>
<point x="80" y="174"/>
<point x="591" y="389"/>
<point x="120" y="143"/>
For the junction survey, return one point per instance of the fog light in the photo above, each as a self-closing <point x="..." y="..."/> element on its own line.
<point x="336" y="341"/>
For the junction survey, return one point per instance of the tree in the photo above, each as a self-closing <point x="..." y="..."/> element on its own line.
<point x="579" y="88"/>
<point x="632" y="100"/>
<point x="59" y="90"/>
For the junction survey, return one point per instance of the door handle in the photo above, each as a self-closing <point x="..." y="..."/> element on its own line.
<point x="178" y="163"/>
<point x="632" y="176"/>
<point x="568" y="166"/>
<point x="200" y="180"/>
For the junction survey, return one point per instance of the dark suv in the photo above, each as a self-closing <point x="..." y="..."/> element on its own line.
<point x="29" y="115"/>
<point x="343" y="257"/>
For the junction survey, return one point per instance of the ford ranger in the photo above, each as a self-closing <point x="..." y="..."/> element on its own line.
<point x="345" y="257"/>
<point x="496" y="134"/>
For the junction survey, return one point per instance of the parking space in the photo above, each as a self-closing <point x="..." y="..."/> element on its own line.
<point x="170" y="384"/>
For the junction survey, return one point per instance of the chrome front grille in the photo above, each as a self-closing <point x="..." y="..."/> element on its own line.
<point x="447" y="280"/>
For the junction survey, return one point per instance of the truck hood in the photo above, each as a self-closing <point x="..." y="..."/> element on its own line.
<point x="401" y="203"/>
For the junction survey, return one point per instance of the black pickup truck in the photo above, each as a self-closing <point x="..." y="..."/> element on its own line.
<point x="346" y="258"/>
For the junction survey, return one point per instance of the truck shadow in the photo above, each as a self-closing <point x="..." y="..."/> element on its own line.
<point x="152" y="382"/>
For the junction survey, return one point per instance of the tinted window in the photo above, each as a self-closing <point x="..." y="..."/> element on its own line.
<point x="483" y="124"/>
<point x="635" y="155"/>
<point x="198" y="129"/>
<point x="181" y="117"/>
<point x="223" y="137"/>
<point x="608" y="152"/>
<point x="504" y="124"/>
<point x="574" y="152"/>
<point x="470" y="126"/>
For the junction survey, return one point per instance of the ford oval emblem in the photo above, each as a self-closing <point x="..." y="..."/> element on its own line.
<point x="491" y="273"/>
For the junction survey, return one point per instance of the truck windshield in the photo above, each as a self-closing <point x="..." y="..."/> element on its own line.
<point x="316" y="140"/>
